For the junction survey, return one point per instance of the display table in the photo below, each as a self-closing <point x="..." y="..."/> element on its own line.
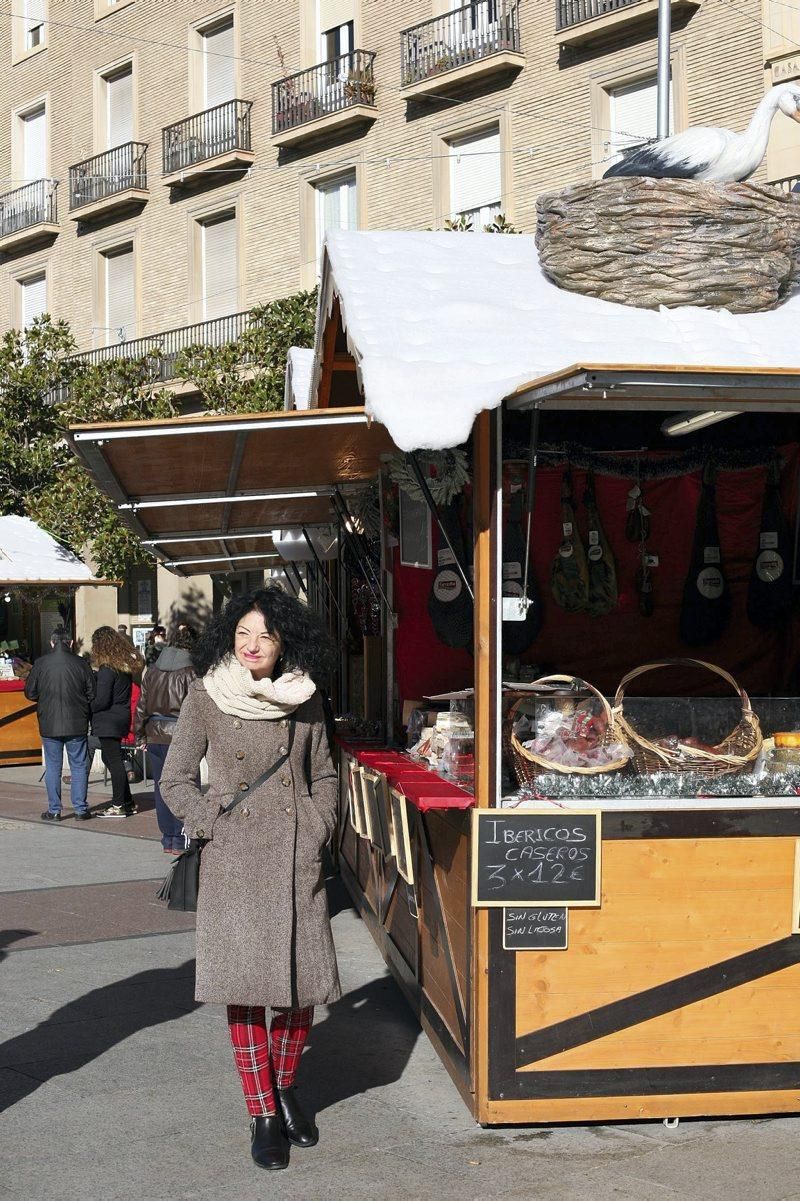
<point x="19" y="729"/>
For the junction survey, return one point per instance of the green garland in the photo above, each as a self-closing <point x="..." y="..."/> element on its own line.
<point x="446" y="471"/>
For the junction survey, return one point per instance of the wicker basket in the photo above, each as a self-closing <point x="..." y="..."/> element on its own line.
<point x="527" y="765"/>
<point x="734" y="754"/>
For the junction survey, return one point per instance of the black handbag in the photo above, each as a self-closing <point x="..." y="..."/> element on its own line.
<point x="182" y="882"/>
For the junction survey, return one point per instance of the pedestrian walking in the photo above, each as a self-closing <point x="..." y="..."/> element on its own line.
<point x="164" y="687"/>
<point x="263" y="932"/>
<point x="155" y="643"/>
<point x="62" y="684"/>
<point x="115" y="661"/>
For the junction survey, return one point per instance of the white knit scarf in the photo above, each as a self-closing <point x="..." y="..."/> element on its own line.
<point x="233" y="690"/>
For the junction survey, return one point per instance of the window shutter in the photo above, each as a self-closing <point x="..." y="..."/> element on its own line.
<point x="34" y="11"/>
<point x="34" y="298"/>
<point x="335" y="12"/>
<point x="34" y="138"/>
<point x="120" y="296"/>
<point x="475" y="175"/>
<point x="634" y="115"/>
<point x="220" y="275"/>
<point x="219" y="73"/>
<point x="119" y="113"/>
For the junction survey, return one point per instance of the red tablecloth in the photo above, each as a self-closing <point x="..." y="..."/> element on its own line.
<point x="423" y="787"/>
<point x="12" y="685"/>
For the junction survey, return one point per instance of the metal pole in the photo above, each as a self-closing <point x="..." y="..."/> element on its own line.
<point x="663" y="80"/>
<point x="321" y="569"/>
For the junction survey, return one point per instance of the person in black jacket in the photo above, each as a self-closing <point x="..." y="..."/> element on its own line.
<point x="115" y="660"/>
<point x="62" y="684"/>
<point x="164" y="687"/>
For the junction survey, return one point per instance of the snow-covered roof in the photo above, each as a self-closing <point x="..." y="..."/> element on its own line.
<point x="29" y="555"/>
<point x="444" y="325"/>
<point x="299" y="370"/>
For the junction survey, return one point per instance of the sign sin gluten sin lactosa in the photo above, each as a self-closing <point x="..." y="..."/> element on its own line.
<point x="533" y="857"/>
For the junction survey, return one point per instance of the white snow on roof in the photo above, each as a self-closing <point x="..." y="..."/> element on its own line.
<point x="299" y="369"/>
<point x="27" y="553"/>
<point x="444" y="325"/>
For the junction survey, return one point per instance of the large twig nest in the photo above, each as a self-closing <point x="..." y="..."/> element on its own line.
<point x="651" y="242"/>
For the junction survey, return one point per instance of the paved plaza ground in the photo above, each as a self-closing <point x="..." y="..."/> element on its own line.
<point x="114" y="1084"/>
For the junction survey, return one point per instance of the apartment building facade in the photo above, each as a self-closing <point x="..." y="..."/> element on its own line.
<point x="170" y="165"/>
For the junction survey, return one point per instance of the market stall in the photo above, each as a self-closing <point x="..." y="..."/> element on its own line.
<point x="586" y="886"/>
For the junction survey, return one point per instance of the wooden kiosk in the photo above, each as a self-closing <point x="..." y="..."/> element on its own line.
<point x="673" y="989"/>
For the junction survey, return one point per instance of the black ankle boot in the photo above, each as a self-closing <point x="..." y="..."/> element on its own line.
<point x="269" y="1145"/>
<point x="300" y="1130"/>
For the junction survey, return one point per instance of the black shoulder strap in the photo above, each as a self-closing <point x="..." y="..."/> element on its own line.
<point x="265" y="775"/>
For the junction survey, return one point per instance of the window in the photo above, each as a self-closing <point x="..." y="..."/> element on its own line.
<point x="219" y="266"/>
<point x="119" y="295"/>
<point x="218" y="64"/>
<point x="336" y="208"/>
<point x="102" y="8"/>
<point x="32" y="298"/>
<point x="476" y="178"/>
<point x="34" y="11"/>
<point x="34" y="143"/>
<point x="118" y="106"/>
<point x="633" y="117"/>
<point x="337" y="41"/>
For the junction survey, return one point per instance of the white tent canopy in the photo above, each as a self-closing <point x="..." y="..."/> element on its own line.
<point x="445" y="325"/>
<point x="29" y="555"/>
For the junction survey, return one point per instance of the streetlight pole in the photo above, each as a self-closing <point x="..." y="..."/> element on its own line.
<point x="663" y="84"/>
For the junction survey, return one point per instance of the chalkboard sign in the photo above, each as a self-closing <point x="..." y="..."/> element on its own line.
<point x="534" y="857"/>
<point x="540" y="929"/>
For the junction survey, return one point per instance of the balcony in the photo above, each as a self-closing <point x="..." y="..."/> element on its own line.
<point x="162" y="350"/>
<point x="328" y="98"/>
<point x="471" y="43"/>
<point x="109" y="182"/>
<point x="28" y="214"/>
<point x="592" y="22"/>
<point x="791" y="184"/>
<point x="218" y="139"/>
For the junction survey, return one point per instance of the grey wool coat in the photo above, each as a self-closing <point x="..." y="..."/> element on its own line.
<point x="263" y="931"/>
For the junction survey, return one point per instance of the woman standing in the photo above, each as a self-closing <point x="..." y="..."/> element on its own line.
<point x="115" y="661"/>
<point x="164" y="687"/>
<point x="263" y="933"/>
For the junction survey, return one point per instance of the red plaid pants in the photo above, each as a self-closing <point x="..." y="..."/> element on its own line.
<point x="267" y="1058"/>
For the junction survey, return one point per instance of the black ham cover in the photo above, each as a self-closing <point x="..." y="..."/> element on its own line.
<point x="518" y="635"/>
<point x="569" y="579"/>
<point x="603" y="594"/>
<point x="706" y="597"/>
<point x="769" y="593"/>
<point x="449" y="603"/>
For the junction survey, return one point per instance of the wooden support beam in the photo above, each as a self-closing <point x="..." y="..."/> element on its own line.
<point x="328" y="355"/>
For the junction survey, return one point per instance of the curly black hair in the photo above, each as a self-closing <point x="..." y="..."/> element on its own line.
<point x="306" y="645"/>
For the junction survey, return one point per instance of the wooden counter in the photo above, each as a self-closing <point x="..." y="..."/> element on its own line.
<point x="19" y="729"/>
<point x="677" y="996"/>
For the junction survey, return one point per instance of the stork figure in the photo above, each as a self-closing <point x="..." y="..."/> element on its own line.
<point x="709" y="153"/>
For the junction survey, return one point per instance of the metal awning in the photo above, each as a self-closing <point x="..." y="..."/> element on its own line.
<point x="203" y="493"/>
<point x="628" y="386"/>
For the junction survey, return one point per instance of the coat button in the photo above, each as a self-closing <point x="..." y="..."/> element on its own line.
<point x="282" y="750"/>
<point x="288" y="808"/>
<point x="237" y="725"/>
<point x="199" y="833"/>
<point x="286" y="782"/>
<point x="240" y="754"/>
<point x="284" y="723"/>
<point x="244" y="786"/>
<point x="245" y="811"/>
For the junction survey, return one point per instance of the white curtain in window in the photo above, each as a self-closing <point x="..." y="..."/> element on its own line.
<point x="633" y="112"/>
<point x="119" y="107"/>
<point x="120" y="296"/>
<point x="476" y="177"/>
<point x="34" y="144"/>
<point x="219" y="83"/>
<point x="220" y="267"/>
<point x="336" y="208"/>
<point x="34" y="298"/>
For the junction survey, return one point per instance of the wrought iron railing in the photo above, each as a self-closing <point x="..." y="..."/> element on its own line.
<point x="329" y="87"/>
<point x="458" y="38"/>
<point x="163" y="349"/>
<point x="33" y="204"/>
<point x="206" y="135"/>
<point x="573" y="12"/>
<point x="791" y="183"/>
<point x="107" y="174"/>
